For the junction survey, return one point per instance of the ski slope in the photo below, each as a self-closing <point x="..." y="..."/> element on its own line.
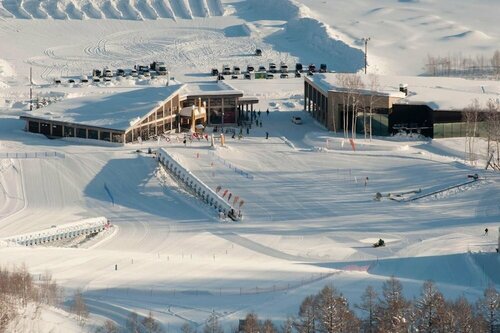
<point x="308" y="220"/>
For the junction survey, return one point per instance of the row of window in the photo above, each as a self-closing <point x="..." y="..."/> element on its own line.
<point x="69" y="131"/>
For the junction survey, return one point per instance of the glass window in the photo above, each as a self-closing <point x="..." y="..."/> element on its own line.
<point x="117" y="137"/>
<point x="93" y="134"/>
<point x="215" y="102"/>
<point x="230" y="101"/>
<point x="33" y="127"/>
<point x="105" y="136"/>
<point x="81" y="133"/>
<point x="69" y="131"/>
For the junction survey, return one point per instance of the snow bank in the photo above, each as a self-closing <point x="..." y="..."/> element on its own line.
<point x="312" y="33"/>
<point x="115" y="9"/>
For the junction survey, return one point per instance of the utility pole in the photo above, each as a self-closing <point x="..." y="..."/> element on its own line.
<point x="366" y="40"/>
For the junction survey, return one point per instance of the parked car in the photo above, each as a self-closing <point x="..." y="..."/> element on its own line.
<point x="258" y="52"/>
<point x="234" y="77"/>
<point x="312" y="68"/>
<point x="299" y="67"/>
<point x="107" y="73"/>
<point x="120" y="72"/>
<point x="226" y="70"/>
<point x="284" y="76"/>
<point x="84" y="79"/>
<point x="297" y="74"/>
<point x="250" y="68"/>
<point x="215" y="72"/>
<point x="262" y="68"/>
<point x="248" y="76"/>
<point x="96" y="79"/>
<point x="323" y="68"/>
<point x="269" y="76"/>
<point x="133" y="73"/>
<point x="283" y="68"/>
<point x="272" y="67"/>
<point x="236" y="70"/>
<point x="220" y="77"/>
<point x="71" y="81"/>
<point x="96" y="72"/>
<point x="296" y="120"/>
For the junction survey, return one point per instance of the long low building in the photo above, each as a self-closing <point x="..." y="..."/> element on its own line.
<point x="431" y="106"/>
<point x="128" y="115"/>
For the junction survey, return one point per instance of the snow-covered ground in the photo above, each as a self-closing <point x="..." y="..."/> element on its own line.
<point x="308" y="220"/>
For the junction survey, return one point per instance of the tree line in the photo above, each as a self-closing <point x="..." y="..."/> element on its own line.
<point x="489" y="116"/>
<point x="328" y="311"/>
<point x="18" y="288"/>
<point x="462" y="65"/>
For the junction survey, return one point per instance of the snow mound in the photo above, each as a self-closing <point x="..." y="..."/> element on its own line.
<point x="114" y="9"/>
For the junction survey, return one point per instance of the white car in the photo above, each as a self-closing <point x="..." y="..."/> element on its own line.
<point x="297" y="120"/>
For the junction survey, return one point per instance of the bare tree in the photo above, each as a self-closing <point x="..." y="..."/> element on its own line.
<point x="374" y="88"/>
<point x="251" y="323"/>
<point x="495" y="62"/>
<point x="333" y="312"/>
<point x="287" y="326"/>
<point x="212" y="324"/>
<point x="108" y="327"/>
<point x="151" y="324"/>
<point x="268" y="327"/>
<point x="392" y="313"/>
<point x="187" y="328"/>
<point x="132" y="323"/>
<point x="463" y="316"/>
<point x="470" y="116"/>
<point x="306" y="322"/>
<point x="429" y="308"/>
<point x="79" y="307"/>
<point x="368" y="304"/>
<point x="489" y="309"/>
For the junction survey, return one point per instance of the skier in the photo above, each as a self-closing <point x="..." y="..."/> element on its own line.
<point x="267" y="135"/>
<point x="486" y="232"/>
<point x="259" y="113"/>
<point x="248" y="131"/>
<point x="184" y="141"/>
<point x="260" y="123"/>
<point x="267" y="112"/>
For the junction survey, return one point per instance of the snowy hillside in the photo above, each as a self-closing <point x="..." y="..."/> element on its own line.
<point x="310" y="217"/>
<point x="110" y="9"/>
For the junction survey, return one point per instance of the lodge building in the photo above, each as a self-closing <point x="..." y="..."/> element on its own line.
<point x="129" y="115"/>
<point x="431" y="106"/>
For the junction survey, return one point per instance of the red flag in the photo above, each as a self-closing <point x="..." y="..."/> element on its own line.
<point x="353" y="145"/>
<point x="225" y="192"/>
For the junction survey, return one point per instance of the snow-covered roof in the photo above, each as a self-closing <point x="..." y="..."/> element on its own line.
<point x="439" y="93"/>
<point x="116" y="111"/>
<point x="210" y="88"/>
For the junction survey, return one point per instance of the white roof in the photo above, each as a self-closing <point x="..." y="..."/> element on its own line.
<point x="439" y="93"/>
<point x="117" y="111"/>
<point x="210" y="88"/>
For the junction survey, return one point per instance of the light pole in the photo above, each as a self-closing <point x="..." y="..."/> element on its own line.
<point x="366" y="39"/>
